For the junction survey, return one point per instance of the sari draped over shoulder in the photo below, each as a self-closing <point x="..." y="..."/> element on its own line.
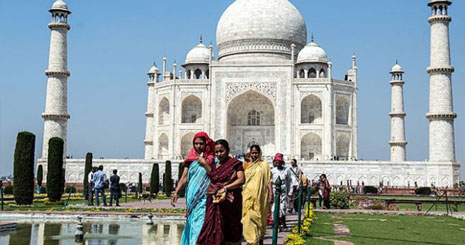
<point x="222" y="222"/>
<point x="197" y="184"/>
<point x="255" y="201"/>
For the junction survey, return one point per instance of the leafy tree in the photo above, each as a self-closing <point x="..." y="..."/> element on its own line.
<point x="40" y="175"/>
<point x="155" y="179"/>
<point x="87" y="169"/>
<point x="24" y="168"/>
<point x="140" y="187"/>
<point x="55" y="180"/>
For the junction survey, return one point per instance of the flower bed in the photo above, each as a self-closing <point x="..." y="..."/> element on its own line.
<point x="296" y="238"/>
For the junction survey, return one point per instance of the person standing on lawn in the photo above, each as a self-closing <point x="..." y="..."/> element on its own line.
<point x="90" y="187"/>
<point x="99" y="179"/>
<point x="114" y="188"/>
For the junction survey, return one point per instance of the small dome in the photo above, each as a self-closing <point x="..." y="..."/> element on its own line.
<point x="60" y="5"/>
<point x="312" y="53"/>
<point x="200" y="54"/>
<point x="397" y="68"/>
<point x="153" y="70"/>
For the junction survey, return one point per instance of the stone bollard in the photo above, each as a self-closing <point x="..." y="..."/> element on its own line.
<point x="150" y="216"/>
<point x="79" y="235"/>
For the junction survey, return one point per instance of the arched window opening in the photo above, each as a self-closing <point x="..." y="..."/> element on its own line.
<point x="186" y="144"/>
<point x="191" y="110"/>
<point x="301" y="73"/>
<point x="207" y="74"/>
<point x="163" y="145"/>
<point x="342" y="146"/>
<point x="197" y="74"/>
<point x="188" y="74"/>
<point x="253" y="118"/>
<point x="163" y="112"/>
<point x="322" y="73"/>
<point x="342" y="110"/>
<point x="310" y="147"/>
<point x="312" y="73"/>
<point x="311" y="110"/>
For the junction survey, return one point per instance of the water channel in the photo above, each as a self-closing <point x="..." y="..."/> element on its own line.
<point x="125" y="232"/>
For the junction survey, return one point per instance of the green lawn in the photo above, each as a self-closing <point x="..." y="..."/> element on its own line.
<point x="390" y="229"/>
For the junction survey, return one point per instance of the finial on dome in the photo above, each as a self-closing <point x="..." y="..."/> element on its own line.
<point x="201" y="39"/>
<point x="312" y="38"/>
<point x="397" y="62"/>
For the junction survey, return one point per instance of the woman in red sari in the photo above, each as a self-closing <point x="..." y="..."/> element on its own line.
<point x="222" y="223"/>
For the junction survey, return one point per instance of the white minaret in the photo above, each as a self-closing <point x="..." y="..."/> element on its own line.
<point x="397" y="142"/>
<point x="441" y="112"/>
<point x="153" y="78"/>
<point x="56" y="105"/>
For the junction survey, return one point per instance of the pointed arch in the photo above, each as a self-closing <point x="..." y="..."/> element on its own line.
<point x="342" y="146"/>
<point x="310" y="146"/>
<point x="163" y="144"/>
<point x="186" y="144"/>
<point x="163" y="112"/>
<point x="191" y="109"/>
<point x="312" y="73"/>
<point x="311" y="110"/>
<point x="342" y="110"/>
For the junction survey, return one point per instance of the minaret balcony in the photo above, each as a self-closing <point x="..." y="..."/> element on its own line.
<point x="436" y="70"/>
<point x="148" y="142"/>
<point x="55" y="116"/>
<point x="433" y="116"/>
<point x="148" y="114"/>
<point x="57" y="73"/>
<point x="398" y="143"/>
<point x="59" y="26"/>
<point x="439" y="18"/>
<point x="397" y="114"/>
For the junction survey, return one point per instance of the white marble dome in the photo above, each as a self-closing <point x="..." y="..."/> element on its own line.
<point x="153" y="70"/>
<point x="397" y="68"/>
<point x="312" y="53"/>
<point x="260" y="26"/>
<point x="200" y="54"/>
<point x="59" y="5"/>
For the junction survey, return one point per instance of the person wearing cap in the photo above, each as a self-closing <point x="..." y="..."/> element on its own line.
<point x="284" y="174"/>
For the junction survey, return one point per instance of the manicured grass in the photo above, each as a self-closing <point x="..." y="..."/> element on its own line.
<point x="322" y="226"/>
<point x="392" y="229"/>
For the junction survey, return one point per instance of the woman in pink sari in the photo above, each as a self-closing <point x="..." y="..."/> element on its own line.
<point x="222" y="223"/>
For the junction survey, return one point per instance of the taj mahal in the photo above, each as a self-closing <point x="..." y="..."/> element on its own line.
<point x="271" y="84"/>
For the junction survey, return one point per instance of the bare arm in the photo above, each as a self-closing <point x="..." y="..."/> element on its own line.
<point x="270" y="192"/>
<point x="204" y="164"/>
<point x="234" y="185"/>
<point x="181" y="183"/>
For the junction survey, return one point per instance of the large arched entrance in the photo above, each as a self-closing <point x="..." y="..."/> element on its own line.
<point x="251" y="121"/>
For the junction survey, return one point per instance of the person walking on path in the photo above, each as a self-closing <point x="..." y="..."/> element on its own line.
<point x="197" y="180"/>
<point x="324" y="190"/>
<point x="222" y="223"/>
<point x="256" y="196"/>
<point x="99" y="179"/>
<point x="285" y="175"/>
<point x="296" y="175"/>
<point x="114" y="188"/>
<point x="90" y="187"/>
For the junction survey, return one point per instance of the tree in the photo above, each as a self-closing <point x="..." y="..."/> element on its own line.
<point x="182" y="192"/>
<point x="23" y="171"/>
<point x="155" y="179"/>
<point x="140" y="187"/>
<point x="87" y="169"/>
<point x="55" y="173"/>
<point x="167" y="181"/>
<point x="40" y="175"/>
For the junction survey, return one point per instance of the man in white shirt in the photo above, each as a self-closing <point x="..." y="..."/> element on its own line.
<point x="285" y="175"/>
<point x="90" y="187"/>
<point x="296" y="175"/>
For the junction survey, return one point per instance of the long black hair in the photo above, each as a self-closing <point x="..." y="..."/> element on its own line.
<point x="257" y="147"/>
<point x="224" y="143"/>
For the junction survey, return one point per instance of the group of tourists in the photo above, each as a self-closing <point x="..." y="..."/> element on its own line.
<point x="227" y="200"/>
<point x="98" y="182"/>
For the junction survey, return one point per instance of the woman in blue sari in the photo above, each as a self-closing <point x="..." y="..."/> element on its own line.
<point x="197" y="180"/>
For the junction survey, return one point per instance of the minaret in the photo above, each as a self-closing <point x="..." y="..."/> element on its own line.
<point x="153" y="78"/>
<point x="397" y="142"/>
<point x="56" y="105"/>
<point x="441" y="112"/>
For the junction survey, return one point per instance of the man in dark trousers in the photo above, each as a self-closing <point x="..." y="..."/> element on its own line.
<point x="90" y="187"/>
<point x="114" y="188"/>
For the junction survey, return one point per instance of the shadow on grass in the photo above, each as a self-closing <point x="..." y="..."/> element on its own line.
<point x="328" y="234"/>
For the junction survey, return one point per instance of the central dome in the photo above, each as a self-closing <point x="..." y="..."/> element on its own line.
<point x="251" y="27"/>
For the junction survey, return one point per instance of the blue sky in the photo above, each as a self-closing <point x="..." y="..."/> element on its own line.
<point x="112" y="44"/>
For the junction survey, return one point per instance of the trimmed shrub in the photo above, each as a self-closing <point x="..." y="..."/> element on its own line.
<point x="339" y="200"/>
<point x="71" y="189"/>
<point x="8" y="190"/>
<point x="155" y="180"/>
<point x="23" y="172"/>
<point x="167" y="180"/>
<point x="140" y="188"/>
<point x="42" y="190"/>
<point x="182" y="191"/>
<point x="40" y="175"/>
<point x="368" y="189"/>
<point x="123" y="187"/>
<point x="55" y="185"/>
<point x="147" y="188"/>
<point x="424" y="191"/>
<point x="87" y="169"/>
